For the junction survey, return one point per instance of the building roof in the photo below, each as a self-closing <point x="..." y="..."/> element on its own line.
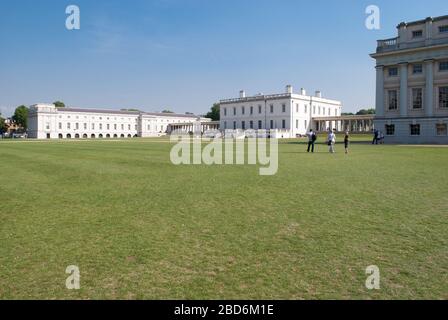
<point x="124" y="112"/>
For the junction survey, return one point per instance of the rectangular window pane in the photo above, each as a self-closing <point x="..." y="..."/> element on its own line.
<point x="441" y="129"/>
<point x="393" y="72"/>
<point x="417" y="98"/>
<point x="443" y="97"/>
<point x="390" y="129"/>
<point x="415" y="129"/>
<point x="443" y="29"/>
<point x="393" y="102"/>
<point x="443" y="66"/>
<point x="417" y="34"/>
<point x="417" y="69"/>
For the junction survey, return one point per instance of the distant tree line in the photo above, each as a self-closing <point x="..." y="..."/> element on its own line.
<point x="361" y="112"/>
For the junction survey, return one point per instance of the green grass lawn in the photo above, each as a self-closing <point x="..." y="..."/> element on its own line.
<point x="139" y="227"/>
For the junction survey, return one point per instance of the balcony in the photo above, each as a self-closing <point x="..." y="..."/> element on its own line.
<point x="394" y="44"/>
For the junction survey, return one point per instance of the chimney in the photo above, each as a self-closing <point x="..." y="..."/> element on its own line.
<point x="242" y="94"/>
<point x="289" y="89"/>
<point x="303" y="92"/>
<point x="318" y="94"/>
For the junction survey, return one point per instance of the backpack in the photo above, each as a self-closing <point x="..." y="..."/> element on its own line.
<point x="314" y="137"/>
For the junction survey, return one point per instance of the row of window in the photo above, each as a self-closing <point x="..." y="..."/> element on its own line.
<point x="418" y="68"/>
<point x="414" y="129"/>
<point x="271" y="110"/>
<point x="260" y="124"/>
<point x="130" y="119"/>
<point x="100" y="126"/>
<point x="419" y="33"/>
<point x="92" y="136"/>
<point x="417" y="98"/>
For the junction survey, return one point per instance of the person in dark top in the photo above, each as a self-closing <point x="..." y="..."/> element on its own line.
<point x="346" y="142"/>
<point x="375" y="136"/>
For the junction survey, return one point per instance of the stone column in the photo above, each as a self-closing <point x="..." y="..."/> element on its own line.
<point x="403" y="89"/>
<point x="380" y="91"/>
<point x="429" y="90"/>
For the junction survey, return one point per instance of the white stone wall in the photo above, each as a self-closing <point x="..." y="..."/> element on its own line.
<point x="46" y="121"/>
<point x="291" y="112"/>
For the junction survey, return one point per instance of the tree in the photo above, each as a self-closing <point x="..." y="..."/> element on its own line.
<point x="347" y="114"/>
<point x="3" y="126"/>
<point x="131" y="109"/>
<point x="20" y="117"/>
<point x="167" y="111"/>
<point x="59" y="104"/>
<point x="365" y="112"/>
<point x="214" y="112"/>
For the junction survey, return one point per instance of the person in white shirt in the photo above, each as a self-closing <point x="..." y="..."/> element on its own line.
<point x="311" y="140"/>
<point x="331" y="141"/>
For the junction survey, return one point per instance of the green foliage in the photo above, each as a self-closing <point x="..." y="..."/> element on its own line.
<point x="167" y="111"/>
<point x="20" y="117"/>
<point x="59" y="104"/>
<point x="3" y="127"/>
<point x="365" y="112"/>
<point x="214" y="112"/>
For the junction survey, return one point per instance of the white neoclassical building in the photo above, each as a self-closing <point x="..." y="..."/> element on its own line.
<point x="45" y="121"/>
<point x="412" y="83"/>
<point x="288" y="114"/>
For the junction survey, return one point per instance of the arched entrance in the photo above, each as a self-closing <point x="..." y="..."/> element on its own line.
<point x="61" y="136"/>
<point x="100" y="136"/>
<point x="107" y="135"/>
<point x="84" y="136"/>
<point x="69" y="136"/>
<point x="77" y="136"/>
<point x="92" y="136"/>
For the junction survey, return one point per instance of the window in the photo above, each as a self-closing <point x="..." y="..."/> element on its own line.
<point x="415" y="129"/>
<point x="225" y="125"/>
<point x="417" y="98"/>
<point x="60" y="125"/>
<point x="68" y="125"/>
<point x="234" y="125"/>
<point x="283" y="124"/>
<point x="323" y="109"/>
<point x="243" y="125"/>
<point x="283" y="108"/>
<point x="85" y="126"/>
<point x="272" y="124"/>
<point x="251" y="124"/>
<point x="443" y="97"/>
<point x="306" y="108"/>
<point x="115" y="127"/>
<point x="260" y="124"/>
<point x="129" y="127"/>
<point x="441" y="129"/>
<point x="259" y="109"/>
<point x="93" y="126"/>
<point x="297" y="107"/>
<point x="443" y="65"/>
<point x="314" y="109"/>
<point x="251" y="110"/>
<point x="101" y="126"/>
<point x="443" y="29"/>
<point x="77" y="126"/>
<point x="297" y="124"/>
<point x="393" y="72"/>
<point x="47" y="126"/>
<point x="390" y="129"/>
<point x="108" y="126"/>
<point x="306" y="124"/>
<point x="243" y="110"/>
<point x="234" y="111"/>
<point x="417" y="34"/>
<point x="225" y="111"/>
<point x="417" y="69"/>
<point x="271" y="108"/>
<point x="393" y="99"/>
<point x="122" y="127"/>
<point x="319" y="110"/>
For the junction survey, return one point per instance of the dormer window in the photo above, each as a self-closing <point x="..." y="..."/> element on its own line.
<point x="443" y="29"/>
<point x="417" y="34"/>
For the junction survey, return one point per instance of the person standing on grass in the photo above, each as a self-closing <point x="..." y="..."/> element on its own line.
<point x="346" y="142"/>
<point x="376" y="133"/>
<point x="331" y="141"/>
<point x="311" y="140"/>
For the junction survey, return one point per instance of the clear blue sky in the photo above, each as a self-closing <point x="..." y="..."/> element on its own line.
<point x="187" y="54"/>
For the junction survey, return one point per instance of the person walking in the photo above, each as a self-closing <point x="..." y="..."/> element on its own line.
<point x="331" y="141"/>
<point x="346" y="142"/>
<point x="375" y="136"/>
<point x="312" y="137"/>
